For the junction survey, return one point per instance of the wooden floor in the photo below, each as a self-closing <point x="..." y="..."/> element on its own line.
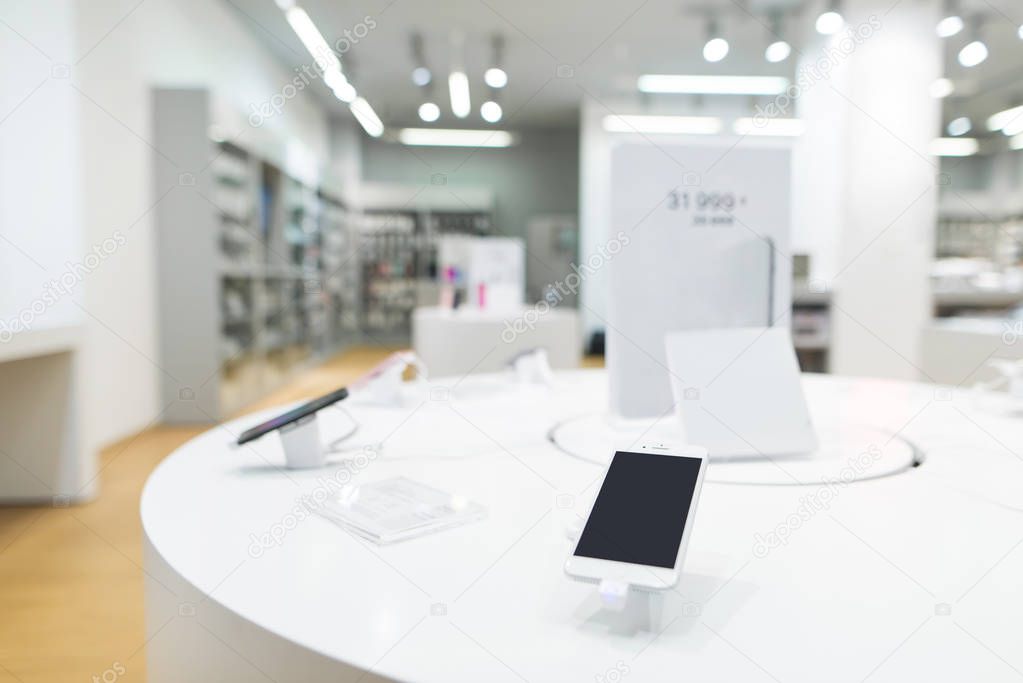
<point x="71" y="605"/>
<point x="70" y="578"/>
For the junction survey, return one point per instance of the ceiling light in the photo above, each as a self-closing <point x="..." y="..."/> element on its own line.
<point x="1016" y="142"/>
<point x="712" y="85"/>
<point x="285" y="4"/>
<point x="1004" y="118"/>
<point x="973" y="53"/>
<point x="429" y="112"/>
<point x="491" y="112"/>
<point x="954" y="147"/>
<point x="345" y="92"/>
<point x="458" y="85"/>
<point x="779" y="127"/>
<point x="1020" y="34"/>
<point x="949" y="26"/>
<point x="715" y="50"/>
<point x="1013" y="128"/>
<point x="830" y="22"/>
<point x="959" y="126"/>
<point x="453" y="137"/>
<point x="680" y="125"/>
<point x="716" y="47"/>
<point x="941" y="87"/>
<point x="778" y="51"/>
<point x="313" y="40"/>
<point x="495" y="77"/>
<point x="421" y="76"/>
<point x="334" y="79"/>
<point x="366" y="117"/>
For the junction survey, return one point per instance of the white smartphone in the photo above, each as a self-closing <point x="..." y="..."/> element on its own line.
<point x="641" y="519"/>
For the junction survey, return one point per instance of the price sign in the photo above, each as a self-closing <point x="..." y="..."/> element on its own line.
<point x="706" y="224"/>
<point x="713" y="207"/>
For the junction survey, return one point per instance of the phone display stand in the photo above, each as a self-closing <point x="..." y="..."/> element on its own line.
<point x="630" y="608"/>
<point x="386" y="388"/>
<point x="533" y="367"/>
<point x="303" y="448"/>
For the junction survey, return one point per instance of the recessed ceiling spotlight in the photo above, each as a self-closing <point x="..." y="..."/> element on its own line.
<point x="495" y="77"/>
<point x="830" y="21"/>
<point x="491" y="111"/>
<point x="429" y="112"/>
<point x="715" y="50"/>
<point x="959" y="126"/>
<point x="941" y="87"/>
<point x="973" y="53"/>
<point x="716" y="47"/>
<point x="778" y="51"/>
<point x="951" y="20"/>
<point x="949" y="26"/>
<point x="421" y="76"/>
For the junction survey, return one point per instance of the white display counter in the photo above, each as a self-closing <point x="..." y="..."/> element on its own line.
<point x="910" y="576"/>
<point x="44" y="456"/>
<point x="474" y="340"/>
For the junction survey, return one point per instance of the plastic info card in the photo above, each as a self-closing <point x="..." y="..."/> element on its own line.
<point x="398" y="508"/>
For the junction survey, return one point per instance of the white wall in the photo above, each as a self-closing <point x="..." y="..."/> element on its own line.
<point x="40" y="225"/>
<point x="76" y="164"/>
<point x="537" y="176"/>
<point x="161" y="43"/>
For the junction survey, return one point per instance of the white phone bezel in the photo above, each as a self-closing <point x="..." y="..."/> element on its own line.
<point x="640" y="575"/>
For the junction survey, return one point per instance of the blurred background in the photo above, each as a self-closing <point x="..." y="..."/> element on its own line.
<point x="209" y="207"/>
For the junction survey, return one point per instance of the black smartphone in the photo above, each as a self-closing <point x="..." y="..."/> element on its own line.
<point x="293" y="415"/>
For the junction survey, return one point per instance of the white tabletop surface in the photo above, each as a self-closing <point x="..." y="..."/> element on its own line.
<point x="910" y="577"/>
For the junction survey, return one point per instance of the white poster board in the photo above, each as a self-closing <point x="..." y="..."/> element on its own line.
<point x="497" y="273"/>
<point x="493" y="268"/>
<point x="708" y="228"/>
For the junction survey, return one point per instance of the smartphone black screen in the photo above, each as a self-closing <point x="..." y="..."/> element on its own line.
<point x="641" y="509"/>
<point x="292" y="415"/>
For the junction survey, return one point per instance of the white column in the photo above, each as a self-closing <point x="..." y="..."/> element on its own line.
<point x="880" y="283"/>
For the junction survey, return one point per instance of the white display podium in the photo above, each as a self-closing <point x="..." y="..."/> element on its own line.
<point x="908" y="576"/>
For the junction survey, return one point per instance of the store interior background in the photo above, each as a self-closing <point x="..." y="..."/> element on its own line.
<point x="905" y="221"/>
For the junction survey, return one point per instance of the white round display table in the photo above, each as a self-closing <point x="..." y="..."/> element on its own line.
<point x="912" y="574"/>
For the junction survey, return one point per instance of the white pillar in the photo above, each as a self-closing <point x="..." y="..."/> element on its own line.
<point x="881" y="288"/>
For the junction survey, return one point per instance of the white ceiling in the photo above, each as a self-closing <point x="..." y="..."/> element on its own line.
<point x="606" y="44"/>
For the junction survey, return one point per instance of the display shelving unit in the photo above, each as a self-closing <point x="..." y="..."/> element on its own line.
<point x="257" y="270"/>
<point x="399" y="240"/>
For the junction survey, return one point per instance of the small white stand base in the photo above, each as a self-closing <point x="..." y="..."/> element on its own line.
<point x="533" y="367"/>
<point x="386" y="388"/>
<point x="630" y="608"/>
<point x="302" y="446"/>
